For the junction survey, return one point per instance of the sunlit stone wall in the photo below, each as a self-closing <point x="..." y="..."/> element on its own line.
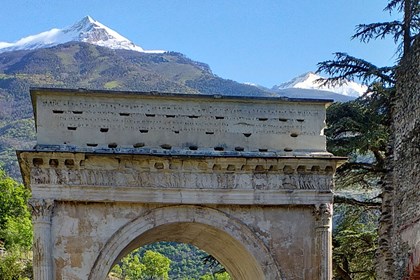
<point x="179" y="123"/>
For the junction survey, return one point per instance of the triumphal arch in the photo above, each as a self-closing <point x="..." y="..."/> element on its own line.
<point x="248" y="180"/>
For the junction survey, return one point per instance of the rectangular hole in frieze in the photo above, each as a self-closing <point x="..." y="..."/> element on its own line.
<point x="263" y="150"/>
<point x="138" y="145"/>
<point x="262" y="119"/>
<point x="166" y="146"/>
<point x="91" y="145"/>
<point x="294" y="135"/>
<point x="315" y="168"/>
<point x="170" y="116"/>
<point x="69" y="162"/>
<point x="53" y="162"/>
<point x="71" y="128"/>
<point x="58" y="111"/>
<point x="104" y="129"/>
<point x="329" y="169"/>
<point x="176" y="131"/>
<point x="150" y="115"/>
<point x="193" y="148"/>
<point x="247" y="134"/>
<point x="112" y="145"/>
<point x="259" y="168"/>
<point x="283" y="120"/>
<point x="217" y="167"/>
<point x="231" y="167"/>
<point x="301" y="169"/>
<point x="239" y="149"/>
<point x="288" y="149"/>
<point x="193" y="117"/>
<point x="77" y="112"/>
<point x="124" y="114"/>
<point x="300" y="120"/>
<point x="209" y="132"/>
<point x="220" y="118"/>
<point x="37" y="162"/>
<point x="159" y="165"/>
<point x="144" y="131"/>
<point x="219" y="149"/>
<point x="246" y="167"/>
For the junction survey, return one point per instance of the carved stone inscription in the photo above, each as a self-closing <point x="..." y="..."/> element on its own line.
<point x="194" y="120"/>
<point x="180" y="123"/>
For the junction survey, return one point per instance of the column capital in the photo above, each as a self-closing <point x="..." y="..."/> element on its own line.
<point x="42" y="209"/>
<point x="323" y="214"/>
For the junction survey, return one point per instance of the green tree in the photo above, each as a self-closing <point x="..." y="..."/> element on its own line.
<point x="157" y="265"/>
<point x="358" y="130"/>
<point x="18" y="233"/>
<point x="151" y="265"/>
<point x="15" y="265"/>
<point x="361" y="130"/>
<point x="186" y="260"/>
<point x="132" y="268"/>
<point x="15" y="218"/>
<point x="355" y="243"/>
<point x="216" y="276"/>
<point x="15" y="230"/>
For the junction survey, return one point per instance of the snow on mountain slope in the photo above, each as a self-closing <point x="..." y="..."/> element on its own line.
<point x="308" y="81"/>
<point x="313" y="94"/>
<point x="87" y="30"/>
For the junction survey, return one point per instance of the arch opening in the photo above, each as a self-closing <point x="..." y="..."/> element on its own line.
<point x="232" y="243"/>
<point x="169" y="260"/>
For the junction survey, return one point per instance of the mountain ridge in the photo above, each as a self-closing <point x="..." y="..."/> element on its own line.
<point x="86" y="30"/>
<point x="310" y="80"/>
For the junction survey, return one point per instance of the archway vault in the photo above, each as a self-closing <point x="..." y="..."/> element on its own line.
<point x="231" y="242"/>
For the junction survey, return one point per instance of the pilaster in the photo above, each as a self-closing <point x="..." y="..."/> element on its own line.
<point x="324" y="239"/>
<point x="42" y="211"/>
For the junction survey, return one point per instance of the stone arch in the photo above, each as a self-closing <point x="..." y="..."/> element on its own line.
<point x="230" y="241"/>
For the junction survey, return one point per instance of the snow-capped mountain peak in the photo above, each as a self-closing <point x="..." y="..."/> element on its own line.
<point x="309" y="81"/>
<point x="86" y="30"/>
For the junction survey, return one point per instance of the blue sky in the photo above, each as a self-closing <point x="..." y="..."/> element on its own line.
<point x="261" y="41"/>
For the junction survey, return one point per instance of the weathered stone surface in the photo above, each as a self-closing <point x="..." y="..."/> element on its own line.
<point x="135" y="178"/>
<point x="252" y="242"/>
<point x="407" y="166"/>
<point x="262" y="206"/>
<point x="400" y="254"/>
<point x="198" y="124"/>
<point x="42" y="211"/>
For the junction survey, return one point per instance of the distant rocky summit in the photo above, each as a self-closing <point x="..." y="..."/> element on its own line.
<point x="86" y="30"/>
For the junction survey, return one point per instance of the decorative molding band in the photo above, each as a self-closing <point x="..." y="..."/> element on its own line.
<point x="182" y="196"/>
<point x="177" y="172"/>
<point x="180" y="179"/>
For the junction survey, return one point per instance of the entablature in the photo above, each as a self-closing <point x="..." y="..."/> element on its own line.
<point x="169" y="179"/>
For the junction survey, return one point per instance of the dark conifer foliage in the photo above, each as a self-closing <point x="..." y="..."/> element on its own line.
<point x="362" y="130"/>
